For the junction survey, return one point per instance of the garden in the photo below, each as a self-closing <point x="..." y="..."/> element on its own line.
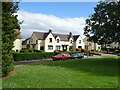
<point x="79" y="73"/>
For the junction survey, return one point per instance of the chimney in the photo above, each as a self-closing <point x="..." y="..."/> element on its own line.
<point x="70" y="34"/>
<point x="50" y="31"/>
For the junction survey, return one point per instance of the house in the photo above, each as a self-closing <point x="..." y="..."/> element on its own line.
<point x="49" y="42"/>
<point x="89" y="45"/>
<point x="112" y="45"/>
<point x="26" y="43"/>
<point x="18" y="41"/>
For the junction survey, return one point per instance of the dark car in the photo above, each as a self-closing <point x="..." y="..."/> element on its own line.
<point x="61" y="56"/>
<point x="118" y="54"/>
<point x="76" y="55"/>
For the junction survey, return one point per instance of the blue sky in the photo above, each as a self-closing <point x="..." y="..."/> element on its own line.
<point x="61" y="17"/>
<point x="60" y="9"/>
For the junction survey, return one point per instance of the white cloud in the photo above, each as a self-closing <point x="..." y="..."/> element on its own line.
<point x="40" y="22"/>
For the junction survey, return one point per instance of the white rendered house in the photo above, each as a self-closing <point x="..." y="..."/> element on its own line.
<point x="18" y="41"/>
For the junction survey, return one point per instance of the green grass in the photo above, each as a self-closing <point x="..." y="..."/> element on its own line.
<point x="86" y="73"/>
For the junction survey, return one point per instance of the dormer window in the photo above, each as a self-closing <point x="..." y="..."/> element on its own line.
<point x="50" y="39"/>
<point x="58" y="40"/>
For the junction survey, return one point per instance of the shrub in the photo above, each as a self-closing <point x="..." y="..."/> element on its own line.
<point x="78" y="49"/>
<point x="32" y="56"/>
<point x="92" y="50"/>
<point x="83" y="50"/>
<point x="70" y="52"/>
<point x="35" y="50"/>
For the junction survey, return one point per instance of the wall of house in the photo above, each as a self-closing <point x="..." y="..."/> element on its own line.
<point x="17" y="44"/>
<point x="50" y="43"/>
<point x="58" y="44"/>
<point x="24" y="46"/>
<point x="114" y="45"/>
<point x="91" y="45"/>
<point x="80" y="44"/>
<point x="41" y="43"/>
<point x="33" y="41"/>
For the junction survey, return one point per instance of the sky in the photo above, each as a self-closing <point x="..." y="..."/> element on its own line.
<point x="61" y="17"/>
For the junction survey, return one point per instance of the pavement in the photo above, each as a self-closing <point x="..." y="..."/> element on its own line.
<point x="49" y="60"/>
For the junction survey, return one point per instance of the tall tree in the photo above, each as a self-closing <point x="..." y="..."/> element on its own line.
<point x="103" y="26"/>
<point x="9" y="23"/>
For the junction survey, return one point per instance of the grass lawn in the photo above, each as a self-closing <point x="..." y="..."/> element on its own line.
<point x="83" y="73"/>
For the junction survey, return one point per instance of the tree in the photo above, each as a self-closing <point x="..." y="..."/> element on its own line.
<point x="103" y="26"/>
<point x="9" y="23"/>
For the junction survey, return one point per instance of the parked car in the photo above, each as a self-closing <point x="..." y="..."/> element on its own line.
<point x="76" y="55"/>
<point x="61" y="56"/>
<point x="118" y="54"/>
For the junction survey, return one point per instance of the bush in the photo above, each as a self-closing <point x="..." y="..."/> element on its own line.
<point x="70" y="52"/>
<point x="32" y="56"/>
<point x="35" y="50"/>
<point x="92" y="50"/>
<point x="83" y="50"/>
<point x="78" y="49"/>
<point x="7" y="64"/>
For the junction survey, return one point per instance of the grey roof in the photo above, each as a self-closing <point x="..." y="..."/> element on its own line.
<point x="19" y="35"/>
<point x="25" y="41"/>
<point x="63" y="37"/>
<point x="75" y="37"/>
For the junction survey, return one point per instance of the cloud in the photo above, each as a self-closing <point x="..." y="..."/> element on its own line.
<point x="40" y="22"/>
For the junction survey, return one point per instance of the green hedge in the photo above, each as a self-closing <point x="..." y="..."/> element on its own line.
<point x="37" y="55"/>
<point x="32" y="56"/>
<point x="70" y="52"/>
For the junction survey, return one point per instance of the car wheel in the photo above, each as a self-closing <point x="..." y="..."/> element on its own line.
<point x="54" y="59"/>
<point x="60" y="59"/>
<point x="68" y="58"/>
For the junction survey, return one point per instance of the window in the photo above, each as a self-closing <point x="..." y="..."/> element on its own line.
<point x="50" y="47"/>
<point x="89" y="44"/>
<point x="58" y="40"/>
<point x="79" y="41"/>
<point x="42" y="48"/>
<point x="50" y="39"/>
<point x="98" y="47"/>
<point x="70" y="47"/>
<point x="36" y="41"/>
<point x="70" y="41"/>
<point x="57" y="47"/>
<point x="79" y="46"/>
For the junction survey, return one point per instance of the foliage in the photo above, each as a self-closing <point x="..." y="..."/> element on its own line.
<point x="25" y="50"/>
<point x="28" y="46"/>
<point x="9" y="23"/>
<point x="103" y="26"/>
<point x="32" y="56"/>
<point x="70" y="52"/>
<point x="78" y="49"/>
<point x="114" y="50"/>
<point x="86" y="73"/>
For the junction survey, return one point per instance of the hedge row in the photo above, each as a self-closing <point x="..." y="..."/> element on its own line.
<point x="70" y="52"/>
<point x="32" y="56"/>
<point x="37" y="55"/>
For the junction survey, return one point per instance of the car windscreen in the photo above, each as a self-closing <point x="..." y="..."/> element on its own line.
<point x="59" y="55"/>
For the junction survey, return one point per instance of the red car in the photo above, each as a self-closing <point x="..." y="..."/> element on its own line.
<point x="61" y="56"/>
